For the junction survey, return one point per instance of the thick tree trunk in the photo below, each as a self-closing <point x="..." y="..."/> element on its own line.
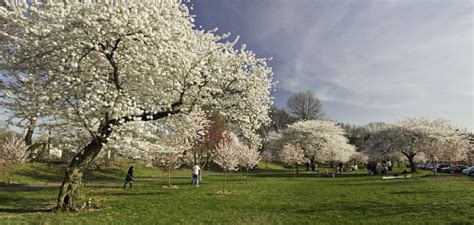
<point x="29" y="133"/>
<point x="70" y="196"/>
<point x="411" y="160"/>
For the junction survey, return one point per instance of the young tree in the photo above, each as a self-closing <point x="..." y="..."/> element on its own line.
<point x="248" y="158"/>
<point x="227" y="154"/>
<point x="201" y="153"/>
<point x="305" y="106"/>
<point x="292" y="155"/>
<point x="113" y="66"/>
<point x="170" y="159"/>
<point x="14" y="150"/>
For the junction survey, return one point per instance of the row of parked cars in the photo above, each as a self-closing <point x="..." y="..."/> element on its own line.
<point x="446" y="168"/>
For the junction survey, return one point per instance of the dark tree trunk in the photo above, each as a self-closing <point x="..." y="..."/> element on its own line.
<point x="411" y="160"/>
<point x="29" y="133"/>
<point x="70" y="194"/>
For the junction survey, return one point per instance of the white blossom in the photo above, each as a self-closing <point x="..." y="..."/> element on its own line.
<point x="110" y="67"/>
<point x="227" y="152"/>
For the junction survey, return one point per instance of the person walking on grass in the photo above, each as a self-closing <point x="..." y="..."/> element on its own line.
<point x="196" y="175"/>
<point x="129" y="178"/>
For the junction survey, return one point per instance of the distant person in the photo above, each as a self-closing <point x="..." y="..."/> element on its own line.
<point x="196" y="175"/>
<point x="355" y="168"/>
<point x="341" y="167"/>
<point x="129" y="178"/>
<point x="389" y="166"/>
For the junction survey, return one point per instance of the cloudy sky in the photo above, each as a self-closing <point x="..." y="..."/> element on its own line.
<point x="366" y="60"/>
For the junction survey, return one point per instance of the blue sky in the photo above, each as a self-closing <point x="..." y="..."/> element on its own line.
<point x="366" y="60"/>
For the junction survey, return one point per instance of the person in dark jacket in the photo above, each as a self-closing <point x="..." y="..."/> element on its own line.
<point x="129" y="178"/>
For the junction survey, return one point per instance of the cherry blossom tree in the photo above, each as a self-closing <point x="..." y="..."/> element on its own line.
<point x="323" y="140"/>
<point x="359" y="157"/>
<point x="110" y="67"/>
<point x="24" y="98"/>
<point x="14" y="150"/>
<point x="292" y="155"/>
<point x="170" y="159"/>
<point x="227" y="154"/>
<point x="412" y="137"/>
<point x="248" y="158"/>
<point x="201" y="153"/>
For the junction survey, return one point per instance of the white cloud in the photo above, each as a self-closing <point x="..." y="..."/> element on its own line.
<point x="396" y="58"/>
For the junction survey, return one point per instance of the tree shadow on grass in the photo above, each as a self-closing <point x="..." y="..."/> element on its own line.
<point x="425" y="192"/>
<point x="23" y="210"/>
<point x="133" y="193"/>
<point x="20" y="204"/>
<point x="22" y="187"/>
<point x="43" y="175"/>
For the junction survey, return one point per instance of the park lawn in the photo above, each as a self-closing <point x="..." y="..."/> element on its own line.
<point x="268" y="198"/>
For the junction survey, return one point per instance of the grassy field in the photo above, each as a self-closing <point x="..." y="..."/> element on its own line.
<point x="270" y="197"/>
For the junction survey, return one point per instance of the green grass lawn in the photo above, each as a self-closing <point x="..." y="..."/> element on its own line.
<point x="269" y="198"/>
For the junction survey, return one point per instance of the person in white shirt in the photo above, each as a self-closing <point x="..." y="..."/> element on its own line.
<point x="389" y="166"/>
<point x="196" y="174"/>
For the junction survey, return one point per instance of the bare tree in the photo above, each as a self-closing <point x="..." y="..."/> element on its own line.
<point x="305" y="106"/>
<point x="280" y="118"/>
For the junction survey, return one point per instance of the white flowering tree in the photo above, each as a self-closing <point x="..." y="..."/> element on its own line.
<point x="359" y="157"/>
<point x="24" y="98"/>
<point x="113" y="66"/>
<point x="249" y="158"/>
<point x="227" y="154"/>
<point x="170" y="159"/>
<point x="13" y="150"/>
<point x="323" y="140"/>
<point x="292" y="155"/>
<point x="412" y="137"/>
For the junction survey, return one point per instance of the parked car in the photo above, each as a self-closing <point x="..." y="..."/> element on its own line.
<point x="453" y="169"/>
<point x="469" y="171"/>
<point x="428" y="166"/>
<point x="439" y="166"/>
